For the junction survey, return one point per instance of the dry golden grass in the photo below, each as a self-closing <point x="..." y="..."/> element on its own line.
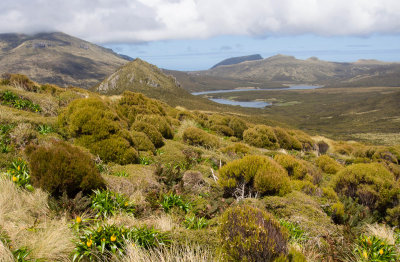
<point x="185" y="253"/>
<point x="24" y="216"/>
<point x="5" y="254"/>
<point x="383" y="232"/>
<point x="163" y="222"/>
<point x="388" y="139"/>
<point x="13" y="115"/>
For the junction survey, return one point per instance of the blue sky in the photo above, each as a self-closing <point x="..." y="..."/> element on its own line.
<point x="195" y="34"/>
<point x="200" y="54"/>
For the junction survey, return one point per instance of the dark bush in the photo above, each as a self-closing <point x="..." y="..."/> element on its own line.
<point x="261" y="136"/>
<point x="251" y="234"/>
<point x="153" y="134"/>
<point x="255" y="174"/>
<point x="60" y="167"/>
<point x="372" y="184"/>
<point x="158" y="122"/>
<point x="285" y="140"/>
<point x="322" y="147"/>
<point x="197" y="137"/>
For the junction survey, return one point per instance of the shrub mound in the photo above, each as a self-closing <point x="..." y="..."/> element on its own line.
<point x="255" y="174"/>
<point x="159" y="122"/>
<point x="286" y="140"/>
<point x="222" y="130"/>
<point x="196" y="137"/>
<point x="293" y="166"/>
<point x="152" y="133"/>
<point x="115" y="149"/>
<point x="142" y="142"/>
<point x="328" y="164"/>
<point x="238" y="126"/>
<point x="60" y="167"/>
<point x="371" y="184"/>
<point x="251" y="234"/>
<point x="261" y="136"/>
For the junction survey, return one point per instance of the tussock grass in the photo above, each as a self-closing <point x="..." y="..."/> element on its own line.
<point x="5" y="254"/>
<point x="383" y="232"/>
<point x="24" y="216"/>
<point x="185" y="253"/>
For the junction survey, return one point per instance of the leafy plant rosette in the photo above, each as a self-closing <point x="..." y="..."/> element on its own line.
<point x="371" y="248"/>
<point x="172" y="200"/>
<point x="19" y="174"/>
<point x="193" y="222"/>
<point x="107" y="203"/>
<point x="105" y="240"/>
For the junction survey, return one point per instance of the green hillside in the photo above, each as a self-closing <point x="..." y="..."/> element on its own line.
<point x="102" y="177"/>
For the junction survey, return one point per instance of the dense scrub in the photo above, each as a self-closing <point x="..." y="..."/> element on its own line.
<point x="197" y="137"/>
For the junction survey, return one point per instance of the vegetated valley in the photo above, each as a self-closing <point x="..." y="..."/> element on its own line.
<point x="114" y="175"/>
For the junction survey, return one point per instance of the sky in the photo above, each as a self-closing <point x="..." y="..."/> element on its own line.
<point x="196" y="34"/>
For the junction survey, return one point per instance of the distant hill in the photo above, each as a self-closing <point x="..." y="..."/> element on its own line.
<point x="57" y="58"/>
<point x="237" y="60"/>
<point x="288" y="69"/>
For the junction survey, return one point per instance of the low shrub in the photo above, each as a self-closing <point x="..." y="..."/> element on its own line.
<point x="372" y="184"/>
<point x="60" y="167"/>
<point x="328" y="164"/>
<point x="171" y="200"/>
<point x="238" y="126"/>
<point x="222" y="130"/>
<point x="100" y="242"/>
<point x="386" y="154"/>
<point x="285" y="140"/>
<point x="322" y="147"/>
<point x="106" y="203"/>
<point x="294" y="167"/>
<point x="152" y="133"/>
<point x="115" y="149"/>
<point x="250" y="234"/>
<point x="159" y="122"/>
<point x="261" y="136"/>
<point x="142" y="142"/>
<point x="371" y="248"/>
<point x="254" y="174"/>
<point x="236" y="149"/>
<point x="197" y="137"/>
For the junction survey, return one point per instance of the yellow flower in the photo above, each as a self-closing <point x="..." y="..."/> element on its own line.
<point x="99" y="229"/>
<point x="369" y="241"/>
<point x="381" y="252"/>
<point x="14" y="179"/>
<point x="89" y="243"/>
<point x="78" y="219"/>
<point x="113" y="238"/>
<point x="103" y="240"/>
<point x="19" y="168"/>
<point x="365" y="254"/>
<point x="126" y="204"/>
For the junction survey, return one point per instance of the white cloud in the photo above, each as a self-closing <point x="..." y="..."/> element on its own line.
<point x="148" y="20"/>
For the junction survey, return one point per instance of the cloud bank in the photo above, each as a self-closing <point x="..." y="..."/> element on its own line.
<point x="112" y="21"/>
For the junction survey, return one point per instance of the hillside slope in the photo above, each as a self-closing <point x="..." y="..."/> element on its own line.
<point x="57" y="58"/>
<point x="237" y="60"/>
<point x="281" y="68"/>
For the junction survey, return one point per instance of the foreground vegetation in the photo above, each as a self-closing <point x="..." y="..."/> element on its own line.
<point x="128" y="178"/>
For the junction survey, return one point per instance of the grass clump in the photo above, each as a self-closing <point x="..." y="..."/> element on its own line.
<point x="328" y="164"/>
<point x="261" y="136"/>
<point x="196" y="137"/>
<point x="254" y="174"/>
<point x="251" y="234"/>
<point x="371" y="184"/>
<point x="60" y="167"/>
<point x="107" y="203"/>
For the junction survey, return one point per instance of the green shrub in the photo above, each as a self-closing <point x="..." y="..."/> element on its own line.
<point x="222" y="130"/>
<point x="142" y="142"/>
<point x="285" y="140"/>
<point x="250" y="234"/>
<point x="371" y="248"/>
<point x="100" y="242"/>
<point x="261" y="136"/>
<point x="294" y="167"/>
<point x="236" y="149"/>
<point x="151" y="132"/>
<point x="106" y="203"/>
<point x="372" y="184"/>
<point x="307" y="143"/>
<point x="159" y="122"/>
<point x="60" y="167"/>
<point x="114" y="149"/>
<point x="133" y="104"/>
<point x="386" y="154"/>
<point x="197" y="137"/>
<point x="255" y="174"/>
<point x="328" y="164"/>
<point x="238" y="126"/>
